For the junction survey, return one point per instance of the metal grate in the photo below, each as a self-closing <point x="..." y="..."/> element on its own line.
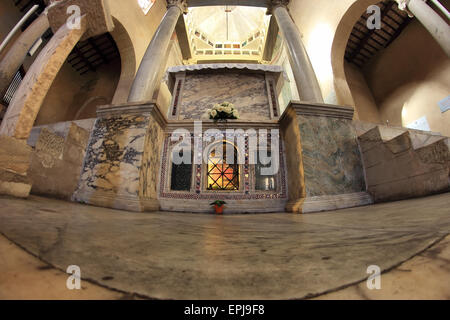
<point x="221" y="175"/>
<point x="15" y="83"/>
<point x="364" y="43"/>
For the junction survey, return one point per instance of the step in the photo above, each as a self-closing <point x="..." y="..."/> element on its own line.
<point x="403" y="163"/>
<point x="418" y="138"/>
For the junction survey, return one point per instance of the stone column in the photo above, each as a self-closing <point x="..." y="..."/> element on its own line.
<point x="16" y="55"/>
<point x="305" y="77"/>
<point x="150" y="70"/>
<point x="431" y="20"/>
<point x="21" y="114"/>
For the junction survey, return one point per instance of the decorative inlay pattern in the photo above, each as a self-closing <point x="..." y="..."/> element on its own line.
<point x="198" y="194"/>
<point x="177" y="98"/>
<point x="274" y="99"/>
<point x="247" y="167"/>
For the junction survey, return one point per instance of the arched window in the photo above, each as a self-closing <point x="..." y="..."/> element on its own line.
<point x="146" y="5"/>
<point x="222" y="175"/>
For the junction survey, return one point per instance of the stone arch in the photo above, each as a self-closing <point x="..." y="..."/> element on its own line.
<point x="343" y="31"/>
<point x="88" y="109"/>
<point x="82" y="86"/>
<point x="128" y="62"/>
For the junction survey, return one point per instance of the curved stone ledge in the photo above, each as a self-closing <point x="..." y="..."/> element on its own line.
<point x="218" y="66"/>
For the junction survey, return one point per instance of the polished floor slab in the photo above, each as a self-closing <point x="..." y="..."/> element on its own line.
<point x="192" y="256"/>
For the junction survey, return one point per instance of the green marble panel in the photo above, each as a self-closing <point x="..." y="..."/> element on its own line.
<point x="331" y="157"/>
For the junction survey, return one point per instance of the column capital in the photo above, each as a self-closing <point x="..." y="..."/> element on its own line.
<point x="181" y="4"/>
<point x="277" y="3"/>
<point x="403" y="5"/>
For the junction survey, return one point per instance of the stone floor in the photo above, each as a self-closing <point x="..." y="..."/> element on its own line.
<point x="184" y="256"/>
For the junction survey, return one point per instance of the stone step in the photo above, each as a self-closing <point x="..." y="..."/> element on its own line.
<point x="401" y="163"/>
<point x="418" y="138"/>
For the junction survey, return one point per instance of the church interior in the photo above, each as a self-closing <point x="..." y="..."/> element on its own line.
<point x="294" y="119"/>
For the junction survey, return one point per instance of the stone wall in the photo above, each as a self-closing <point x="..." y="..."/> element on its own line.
<point x="56" y="161"/>
<point x="406" y="166"/>
<point x="14" y="161"/>
<point x="409" y="86"/>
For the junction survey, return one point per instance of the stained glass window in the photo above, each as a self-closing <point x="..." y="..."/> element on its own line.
<point x="221" y="175"/>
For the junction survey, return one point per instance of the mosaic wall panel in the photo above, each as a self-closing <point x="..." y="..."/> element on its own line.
<point x="198" y="186"/>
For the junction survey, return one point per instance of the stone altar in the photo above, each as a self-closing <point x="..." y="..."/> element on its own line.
<point x="129" y="165"/>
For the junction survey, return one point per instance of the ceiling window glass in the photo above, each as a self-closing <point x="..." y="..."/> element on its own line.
<point x="146" y="5"/>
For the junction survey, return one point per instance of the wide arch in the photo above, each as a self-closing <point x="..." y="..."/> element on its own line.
<point x="343" y="93"/>
<point x="128" y="62"/>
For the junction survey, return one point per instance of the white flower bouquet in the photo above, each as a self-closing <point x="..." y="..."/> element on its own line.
<point x="223" y="111"/>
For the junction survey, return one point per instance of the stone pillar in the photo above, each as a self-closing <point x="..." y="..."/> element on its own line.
<point x="431" y="20"/>
<point x="325" y="170"/>
<point x="305" y="77"/>
<point x="16" y="55"/>
<point x="150" y="70"/>
<point x="21" y="114"/>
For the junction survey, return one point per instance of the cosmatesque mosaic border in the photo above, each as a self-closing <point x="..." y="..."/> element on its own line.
<point x="201" y="195"/>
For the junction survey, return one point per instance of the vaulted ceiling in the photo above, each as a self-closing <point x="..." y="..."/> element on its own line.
<point x="228" y="23"/>
<point x="227" y="32"/>
<point x="90" y="54"/>
<point x="364" y="43"/>
<point x="250" y="3"/>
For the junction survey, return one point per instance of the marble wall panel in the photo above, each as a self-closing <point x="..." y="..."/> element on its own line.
<point x="150" y="172"/>
<point x="57" y="160"/>
<point x="248" y="92"/>
<point x="114" y="155"/>
<point x="331" y="157"/>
